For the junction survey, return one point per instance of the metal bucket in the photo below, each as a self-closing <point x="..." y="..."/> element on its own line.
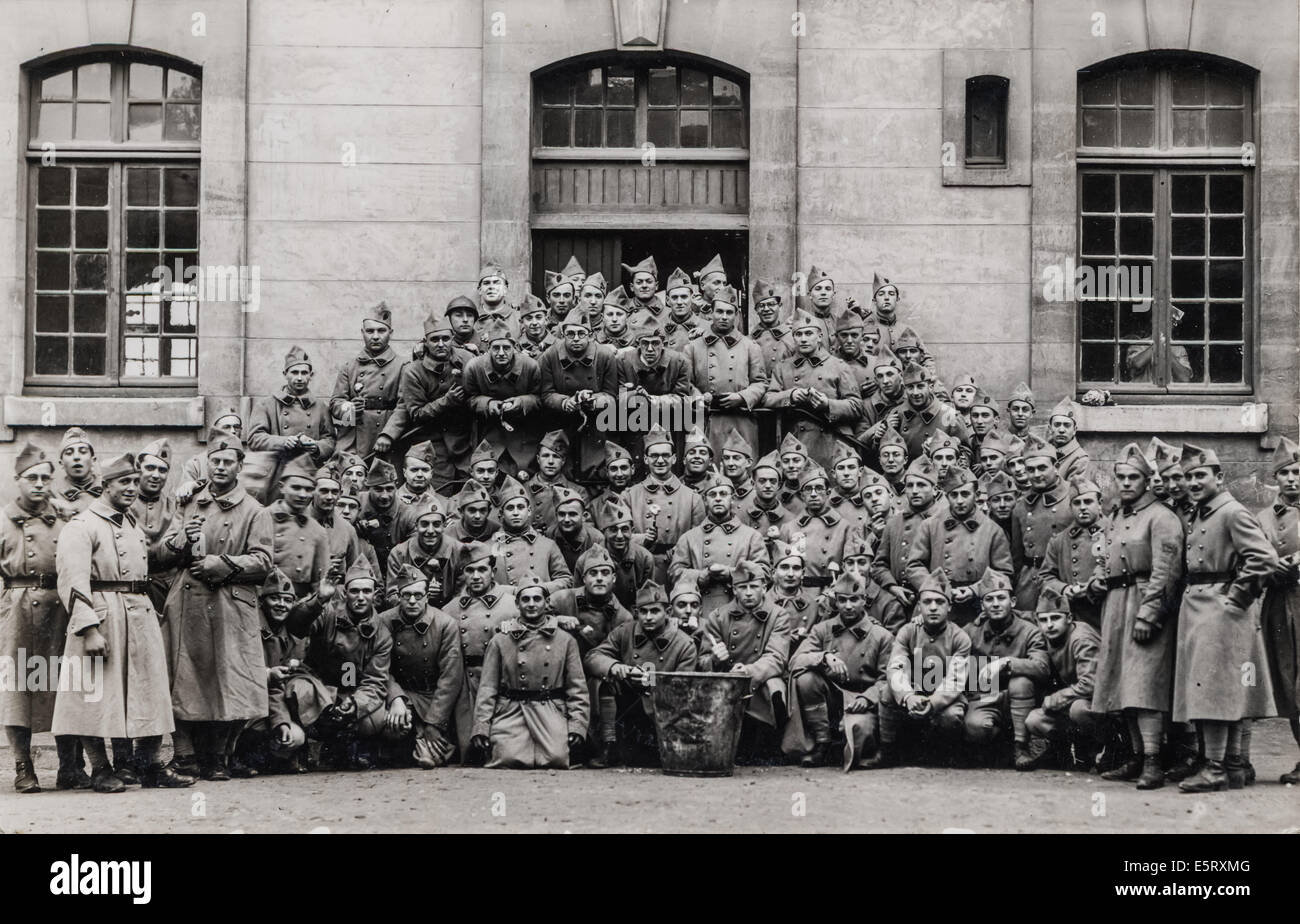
<point x="698" y="718"/>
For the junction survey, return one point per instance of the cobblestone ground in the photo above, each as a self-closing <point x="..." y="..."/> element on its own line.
<point x="780" y="799"/>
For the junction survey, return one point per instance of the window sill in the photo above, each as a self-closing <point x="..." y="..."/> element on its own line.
<point x="1247" y="417"/>
<point x="123" y="411"/>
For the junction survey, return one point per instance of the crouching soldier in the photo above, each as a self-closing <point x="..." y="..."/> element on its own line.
<point x="1011" y="656"/>
<point x="840" y="670"/>
<point x="627" y="660"/>
<point x="1065" y="715"/>
<point x="103" y="580"/>
<point x="341" y="700"/>
<point x="532" y="708"/>
<point x="752" y="636"/>
<point x="927" y="675"/>
<point x="425" y="674"/>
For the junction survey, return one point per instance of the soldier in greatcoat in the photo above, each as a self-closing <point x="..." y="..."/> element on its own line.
<point x="1281" y="607"/>
<point x="365" y="399"/>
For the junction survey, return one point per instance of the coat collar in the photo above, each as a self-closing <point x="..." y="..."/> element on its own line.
<point x="588" y="357"/>
<point x="280" y="512"/>
<point x="730" y="339"/>
<point x="289" y="400"/>
<point x="668" y="487"/>
<point x="859" y="628"/>
<point x="381" y="360"/>
<point x="661" y="641"/>
<point x="21" y="516"/>
<point x="815" y="360"/>
<point x="1204" y="511"/>
<point x="729" y="527"/>
<point x="230" y="499"/>
<point x="829" y="517"/>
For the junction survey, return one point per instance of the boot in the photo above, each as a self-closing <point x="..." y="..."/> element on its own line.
<point x="1030" y="754"/>
<point x="124" y="762"/>
<point x="73" y="778"/>
<point x="1235" y="767"/>
<point x="1250" y="774"/>
<point x="600" y="756"/>
<point x="884" y="758"/>
<point x="1186" y="765"/>
<point x="1125" y="772"/>
<point x="164" y="777"/>
<point x="359" y="757"/>
<point x="1291" y="776"/>
<point x="25" y="777"/>
<point x="819" y="756"/>
<point x="1152" y="777"/>
<point x="185" y="766"/>
<point x="103" y="780"/>
<point x="212" y="767"/>
<point x="1212" y="778"/>
<point x="240" y="769"/>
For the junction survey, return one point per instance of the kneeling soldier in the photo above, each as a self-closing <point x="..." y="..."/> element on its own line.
<point x="532" y="708"/>
<point x="840" y="670"/>
<point x="1065" y="715"/>
<point x="627" y="660"/>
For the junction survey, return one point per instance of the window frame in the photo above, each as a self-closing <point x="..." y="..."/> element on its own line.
<point x="117" y="156"/>
<point x="999" y="88"/>
<point x="1164" y="161"/>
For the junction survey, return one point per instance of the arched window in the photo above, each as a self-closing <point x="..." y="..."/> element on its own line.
<point x="1166" y="225"/>
<point x="113" y="198"/>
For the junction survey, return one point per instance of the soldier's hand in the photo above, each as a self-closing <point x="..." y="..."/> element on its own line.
<point x="399" y="715"/>
<point x="193" y="529"/>
<point x="836" y="669"/>
<point x="731" y="401"/>
<point x="719" y="651"/>
<point x="209" y="568"/>
<point x="1097" y="586"/>
<point x="568" y="623"/>
<point x="282" y="734"/>
<point x="740" y="669"/>
<point x="903" y="595"/>
<point x="570" y="405"/>
<point x="383" y="443"/>
<point x="918" y="705"/>
<point x="1053" y="702"/>
<point x="326" y="591"/>
<point x="620" y="671"/>
<point x="359" y="405"/>
<point x="456" y="393"/>
<point x="96" y="646"/>
<point x="1143" y="631"/>
<point x="494" y="408"/>
<point x="481" y="744"/>
<point x="962" y="594"/>
<point x="858" y="706"/>
<point x="799" y="396"/>
<point x="277" y="674"/>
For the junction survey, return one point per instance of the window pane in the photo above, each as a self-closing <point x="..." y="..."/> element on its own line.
<point x="1137" y="88"/>
<point x="51" y="356"/>
<point x="89" y="355"/>
<point x="1190" y="324"/>
<point x="1099" y="128"/>
<point x="51" y="313"/>
<point x="54" y="186"/>
<point x="1226" y="237"/>
<point x="588" y="87"/>
<point x="1225" y="364"/>
<point x="92" y="229"/>
<point x="53" y="228"/>
<point x="695" y="88"/>
<point x="140" y="271"/>
<point x="695" y="128"/>
<point x="181" y="85"/>
<point x="726" y="92"/>
<point x="1188" y="237"/>
<point x="1226" y="127"/>
<point x="1189" y="128"/>
<point x="620" y="89"/>
<point x="1225" y="322"/>
<point x="1224" y="90"/>
<point x="1136" y="128"/>
<point x="142" y="186"/>
<point x="92" y="121"/>
<point x="181" y="122"/>
<point x="92" y="81"/>
<point x="1098" y="236"/>
<point x="181" y="230"/>
<point x="54" y="121"/>
<point x="1098" y="91"/>
<point x="1188" y="364"/>
<point x="620" y="128"/>
<point x="1137" y="363"/>
<point x="183" y="360"/>
<point x="1187" y="87"/>
<point x="586" y="128"/>
<point x="91" y="271"/>
<point x="144" y="122"/>
<point x="1097" y="320"/>
<point x="141" y="356"/>
<point x="1226" y="194"/>
<point x="728" y="128"/>
<point x="555" y="128"/>
<point x="145" y="81"/>
<point x="1225" y="279"/>
<point x="182" y="316"/>
<point x="661" y="127"/>
<point x="90" y="314"/>
<point x="1134" y="321"/>
<point x="1136" y="236"/>
<point x="141" y="315"/>
<point x="92" y="186"/>
<point x="1188" y="193"/>
<point x="57" y="86"/>
<point x="53" y="271"/>
<point x="1098" y="192"/>
<point x="555" y="90"/>
<point x="182" y="187"/>
<point x="1187" y="279"/>
<point x="1097" y="362"/>
<point x="142" y="228"/>
<point x="663" y="86"/>
<point x="1136" y="192"/>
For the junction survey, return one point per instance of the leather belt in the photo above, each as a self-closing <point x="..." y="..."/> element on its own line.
<point x="473" y="660"/>
<point x="119" y="587"/>
<point x="46" y="581"/>
<point x="379" y="404"/>
<point x="532" y="696"/>
<point x="1127" y="579"/>
<point x="1035" y="562"/>
<point x="661" y="548"/>
<point x="1210" y="577"/>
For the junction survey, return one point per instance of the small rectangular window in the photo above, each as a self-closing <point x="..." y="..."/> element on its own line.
<point x="986" y="121"/>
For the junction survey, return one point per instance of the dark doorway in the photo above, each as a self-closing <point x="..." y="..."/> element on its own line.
<point x="604" y="251"/>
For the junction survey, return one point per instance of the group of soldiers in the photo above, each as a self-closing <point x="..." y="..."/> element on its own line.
<point x="451" y="558"/>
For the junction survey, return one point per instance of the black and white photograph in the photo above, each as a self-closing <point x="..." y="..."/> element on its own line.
<point x="870" y="417"/>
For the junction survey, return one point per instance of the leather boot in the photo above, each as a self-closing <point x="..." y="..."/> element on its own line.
<point x="818" y="756"/>
<point x="124" y="762"/>
<point x="599" y="756"/>
<point x="1292" y="776"/>
<point x="72" y="773"/>
<point x="1212" y="778"/>
<point x="1187" y="764"/>
<point x="1125" y="772"/>
<point x="1152" y="776"/>
<point x="1236" y="770"/>
<point x="1030" y="754"/>
<point x="884" y="757"/>
<point x="164" y="777"/>
<point x="103" y="780"/>
<point x="25" y="777"/>
<point x="212" y="767"/>
<point x="240" y="769"/>
<point x="185" y="766"/>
